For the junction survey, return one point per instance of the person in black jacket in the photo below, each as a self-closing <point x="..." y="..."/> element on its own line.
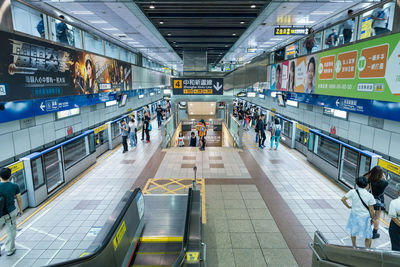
<point x="378" y="183"/>
<point x="261" y="131"/>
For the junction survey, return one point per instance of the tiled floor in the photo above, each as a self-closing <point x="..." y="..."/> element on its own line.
<point x="240" y="230"/>
<point x="68" y="225"/>
<point x="312" y="197"/>
<point x="214" y="162"/>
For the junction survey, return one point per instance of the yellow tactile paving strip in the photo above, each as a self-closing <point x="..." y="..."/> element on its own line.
<point x="176" y="186"/>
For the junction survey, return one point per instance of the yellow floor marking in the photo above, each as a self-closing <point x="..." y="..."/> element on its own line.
<point x="162" y="183"/>
<point x="159" y="253"/>
<point x="65" y="188"/>
<point x="160" y="239"/>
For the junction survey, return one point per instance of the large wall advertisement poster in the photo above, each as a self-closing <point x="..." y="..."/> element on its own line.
<point x="268" y="83"/>
<point x="300" y="74"/>
<point x="273" y="76"/>
<point x="369" y="70"/>
<point x="292" y="76"/>
<point x="31" y="68"/>
<point x="310" y="77"/>
<point x="285" y="73"/>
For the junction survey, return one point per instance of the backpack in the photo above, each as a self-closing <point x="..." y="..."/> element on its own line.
<point x="3" y="208"/>
<point x="60" y="30"/>
<point x="149" y="128"/>
<point x="278" y="128"/>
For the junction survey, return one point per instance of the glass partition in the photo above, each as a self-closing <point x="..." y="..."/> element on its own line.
<point x="27" y="20"/>
<point x="349" y="166"/>
<point x="53" y="169"/>
<point x="18" y="175"/>
<point x="63" y="33"/>
<point x="327" y="150"/>
<point x="92" y="146"/>
<point x="124" y="55"/>
<point x="111" y="50"/>
<point x="287" y="128"/>
<point x="301" y="136"/>
<point x="74" y="152"/>
<point x="93" y="44"/>
<point x="37" y="172"/>
<point x="115" y="130"/>
<point x="392" y="172"/>
<point x="377" y="21"/>
<point x="101" y="138"/>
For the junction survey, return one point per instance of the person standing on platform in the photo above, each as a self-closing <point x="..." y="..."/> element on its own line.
<point x="132" y="132"/>
<point x="362" y="212"/>
<point x="261" y="132"/>
<point x="159" y="111"/>
<point x="146" y="116"/>
<point x="202" y="134"/>
<point x="394" y="228"/>
<point x="348" y="27"/>
<point x="125" y="133"/>
<point x="147" y="128"/>
<point x="276" y="134"/>
<point x="378" y="183"/>
<point x="193" y="140"/>
<point x="8" y="212"/>
<point x="256" y="129"/>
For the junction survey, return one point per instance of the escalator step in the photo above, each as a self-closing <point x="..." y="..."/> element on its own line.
<point x="155" y="259"/>
<point x="159" y="247"/>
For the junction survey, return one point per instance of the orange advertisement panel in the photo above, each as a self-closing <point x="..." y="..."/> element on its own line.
<point x="326" y="67"/>
<point x="346" y="65"/>
<point x="372" y="63"/>
<point x="300" y="74"/>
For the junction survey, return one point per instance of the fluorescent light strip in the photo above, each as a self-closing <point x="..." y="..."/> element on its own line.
<point x="82" y="12"/>
<point x="110" y="29"/>
<point x="98" y="21"/>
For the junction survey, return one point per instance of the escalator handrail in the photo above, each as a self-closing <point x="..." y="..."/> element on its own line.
<point x="185" y="241"/>
<point x="108" y="237"/>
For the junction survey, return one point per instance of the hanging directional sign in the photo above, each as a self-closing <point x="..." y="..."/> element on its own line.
<point x="198" y="86"/>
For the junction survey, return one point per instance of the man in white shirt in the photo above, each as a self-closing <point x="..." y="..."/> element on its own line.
<point x="359" y="223"/>
<point x="394" y="228"/>
<point x="348" y="27"/>
<point x="380" y="18"/>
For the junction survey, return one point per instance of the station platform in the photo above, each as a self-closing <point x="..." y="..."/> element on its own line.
<point x="261" y="207"/>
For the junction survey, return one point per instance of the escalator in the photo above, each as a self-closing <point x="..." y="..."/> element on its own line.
<point x="329" y="255"/>
<point x="148" y="230"/>
<point x="162" y="237"/>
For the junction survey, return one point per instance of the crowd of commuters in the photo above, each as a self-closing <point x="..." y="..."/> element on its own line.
<point x="129" y="130"/>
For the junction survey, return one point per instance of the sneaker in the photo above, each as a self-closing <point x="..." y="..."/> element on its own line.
<point x="375" y="235"/>
<point x="11" y="252"/>
<point x="261" y="147"/>
<point x="124" y="151"/>
<point x="147" y="141"/>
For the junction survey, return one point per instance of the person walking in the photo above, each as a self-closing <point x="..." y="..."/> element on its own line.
<point x="8" y="212"/>
<point x="159" y="111"/>
<point x="256" y="129"/>
<point x="202" y="135"/>
<point x="362" y="212"/>
<point x="132" y="132"/>
<point x="181" y="141"/>
<point x="147" y="128"/>
<point x="276" y="134"/>
<point x="378" y="183"/>
<point x="146" y="116"/>
<point x="125" y="133"/>
<point x="394" y="213"/>
<point x="261" y="132"/>
<point x="193" y="140"/>
<point x="348" y="27"/>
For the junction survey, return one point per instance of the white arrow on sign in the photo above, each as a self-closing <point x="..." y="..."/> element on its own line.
<point x="337" y="102"/>
<point x="217" y="86"/>
<point x="42" y="106"/>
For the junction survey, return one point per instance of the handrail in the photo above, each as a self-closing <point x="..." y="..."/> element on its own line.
<point x="38" y="154"/>
<point x="178" y="262"/>
<point x="364" y="152"/>
<point x="108" y="237"/>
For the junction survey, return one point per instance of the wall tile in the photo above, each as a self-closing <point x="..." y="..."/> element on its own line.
<point x="45" y="118"/>
<point x="354" y="132"/>
<point x="382" y="141"/>
<point x="367" y="136"/>
<point x="8" y="127"/>
<point x="36" y="136"/>
<point x="358" y="118"/>
<point x="393" y="126"/>
<point x="7" y="146"/>
<point x="49" y="132"/>
<point x="394" y="150"/>
<point x="22" y="142"/>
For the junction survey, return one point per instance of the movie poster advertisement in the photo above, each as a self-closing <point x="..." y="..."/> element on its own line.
<point x="31" y="68"/>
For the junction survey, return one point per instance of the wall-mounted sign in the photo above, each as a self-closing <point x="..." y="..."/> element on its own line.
<point x="251" y="94"/>
<point x="290" y="31"/>
<point x="251" y="50"/>
<point x="198" y="86"/>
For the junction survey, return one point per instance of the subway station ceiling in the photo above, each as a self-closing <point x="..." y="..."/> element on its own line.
<point x="207" y="25"/>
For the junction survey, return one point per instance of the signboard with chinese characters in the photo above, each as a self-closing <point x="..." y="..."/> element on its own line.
<point x="369" y="70"/>
<point x="198" y="86"/>
<point x="32" y="69"/>
<point x="290" y="31"/>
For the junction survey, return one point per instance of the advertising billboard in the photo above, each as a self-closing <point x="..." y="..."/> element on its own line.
<point x="31" y="69"/>
<point x="368" y="70"/>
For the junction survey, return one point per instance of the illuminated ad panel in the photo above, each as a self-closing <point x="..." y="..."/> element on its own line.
<point x="31" y="68"/>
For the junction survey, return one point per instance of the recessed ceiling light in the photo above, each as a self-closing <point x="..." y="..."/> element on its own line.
<point x="82" y="12"/>
<point x="226" y="46"/>
<point x="97" y="21"/>
<point x="253" y="6"/>
<point x="242" y="22"/>
<point x="234" y="34"/>
<point x="169" y="34"/>
<point x="161" y="22"/>
<point x="152" y="6"/>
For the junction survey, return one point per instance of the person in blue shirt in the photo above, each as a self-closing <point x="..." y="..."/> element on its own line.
<point x="40" y="26"/>
<point x="9" y="192"/>
<point x="62" y="31"/>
